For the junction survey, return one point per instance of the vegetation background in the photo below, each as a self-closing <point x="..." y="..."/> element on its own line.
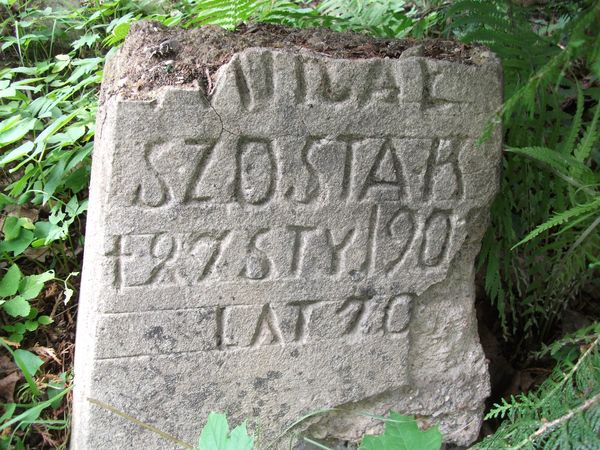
<point x="538" y="303"/>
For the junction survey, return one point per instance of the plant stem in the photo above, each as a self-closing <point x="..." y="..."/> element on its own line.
<point x="562" y="419"/>
<point x="126" y="416"/>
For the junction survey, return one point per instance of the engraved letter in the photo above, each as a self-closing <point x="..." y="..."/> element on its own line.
<point x="397" y="314"/>
<point x="337" y="248"/>
<point x="444" y="177"/>
<point x="254" y="79"/>
<point x="385" y="179"/>
<point x="435" y="239"/>
<point x="267" y="329"/>
<point x="256" y="171"/>
<point x="380" y="85"/>
<point x="258" y="265"/>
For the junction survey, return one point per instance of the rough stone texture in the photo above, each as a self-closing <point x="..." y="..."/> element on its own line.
<point x="303" y="238"/>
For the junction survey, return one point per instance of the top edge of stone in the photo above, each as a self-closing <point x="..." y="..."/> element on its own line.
<point x="154" y="56"/>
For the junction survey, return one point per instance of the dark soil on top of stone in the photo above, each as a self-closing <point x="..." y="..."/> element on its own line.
<point x="154" y="55"/>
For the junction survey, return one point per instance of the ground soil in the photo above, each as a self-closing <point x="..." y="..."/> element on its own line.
<point x="158" y="56"/>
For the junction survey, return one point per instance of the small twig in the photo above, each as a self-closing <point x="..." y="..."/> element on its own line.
<point x="132" y="419"/>
<point x="548" y="425"/>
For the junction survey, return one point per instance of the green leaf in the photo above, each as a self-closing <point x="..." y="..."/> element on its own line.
<point x="31" y="325"/>
<point x="561" y="217"/>
<point x="16" y="153"/>
<point x="10" y="281"/>
<point x="83" y="67"/>
<point x="31" y="286"/>
<point x="46" y="232"/>
<point x="9" y="409"/>
<point x="56" y="390"/>
<point x="11" y="228"/>
<point x="78" y="179"/>
<point x="17" y="246"/>
<point x="215" y="433"/>
<point x="29" y="364"/>
<point x="402" y="433"/>
<point x="18" y="328"/>
<point x="54" y="179"/>
<point x="17" y="131"/>
<point x="216" y="436"/>
<point x="8" y="124"/>
<point x="17" y="234"/>
<point x="16" y="337"/>
<point x="45" y="320"/>
<point x="119" y="33"/>
<point x="590" y="138"/>
<point x="240" y="439"/>
<point x="17" y="307"/>
<point x="86" y="39"/>
<point x="34" y="411"/>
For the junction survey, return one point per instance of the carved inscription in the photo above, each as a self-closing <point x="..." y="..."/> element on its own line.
<point x="320" y="83"/>
<point x="382" y="238"/>
<point x="256" y="171"/>
<point x="240" y="326"/>
<point x="257" y="89"/>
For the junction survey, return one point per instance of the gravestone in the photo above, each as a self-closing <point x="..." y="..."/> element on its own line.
<point x="291" y="228"/>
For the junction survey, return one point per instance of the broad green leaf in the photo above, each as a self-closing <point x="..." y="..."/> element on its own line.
<point x="31" y="286"/>
<point x="83" y="67"/>
<point x="56" y="390"/>
<point x="118" y="34"/>
<point x="12" y="226"/>
<point x="86" y="39"/>
<point x="17" y="153"/>
<point x="17" y="307"/>
<point x="10" y="92"/>
<point x="10" y="281"/>
<point x="9" y="409"/>
<point x="69" y="136"/>
<point x="80" y="155"/>
<point x="45" y="320"/>
<point x="19" y="245"/>
<point x="31" y="325"/>
<point x="215" y="432"/>
<point x="46" y="232"/>
<point x="9" y="123"/>
<point x="17" y="131"/>
<point x="16" y="337"/>
<point x="54" y="179"/>
<point x="5" y="200"/>
<point x="18" y="328"/>
<point x="72" y="206"/>
<point x="33" y="412"/>
<point x="29" y="364"/>
<point x="78" y="179"/>
<point x="240" y="439"/>
<point x="51" y="130"/>
<point x="402" y="433"/>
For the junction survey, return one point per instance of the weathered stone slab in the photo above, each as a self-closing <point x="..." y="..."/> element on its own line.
<point x="301" y="238"/>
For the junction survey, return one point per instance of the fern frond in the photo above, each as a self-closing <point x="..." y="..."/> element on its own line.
<point x="560" y="218"/>
<point x="565" y="164"/>
<point x="569" y="143"/>
<point x="590" y="138"/>
<point x="226" y="13"/>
